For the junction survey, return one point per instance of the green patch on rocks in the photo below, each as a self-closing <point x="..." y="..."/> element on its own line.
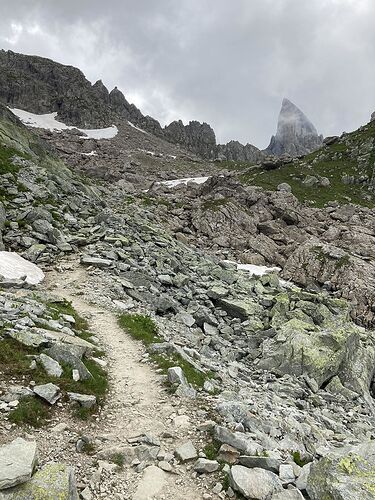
<point x="30" y="411"/>
<point x="80" y="326"/>
<point x="140" y="328"/>
<point x="143" y="328"/>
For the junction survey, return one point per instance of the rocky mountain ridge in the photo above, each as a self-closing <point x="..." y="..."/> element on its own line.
<point x="40" y="85"/>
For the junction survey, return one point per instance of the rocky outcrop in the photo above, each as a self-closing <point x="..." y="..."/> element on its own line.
<point x="39" y="85"/>
<point x="295" y="135"/>
<point x="235" y="151"/>
<point x="197" y="137"/>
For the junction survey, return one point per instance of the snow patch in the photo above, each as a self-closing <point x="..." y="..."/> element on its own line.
<point x="92" y="153"/>
<point x="137" y="128"/>
<point x="254" y="270"/>
<point x="48" y="121"/>
<point x="13" y="267"/>
<point x="176" y="182"/>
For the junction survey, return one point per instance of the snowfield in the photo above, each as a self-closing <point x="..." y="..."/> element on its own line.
<point x="176" y="182"/>
<point x="48" y="121"/>
<point x="13" y="266"/>
<point x="137" y="128"/>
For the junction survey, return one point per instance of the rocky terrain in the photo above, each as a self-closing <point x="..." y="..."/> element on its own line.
<point x="139" y="360"/>
<point x="295" y="135"/>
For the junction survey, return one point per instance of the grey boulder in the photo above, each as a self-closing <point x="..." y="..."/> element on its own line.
<point x="17" y="462"/>
<point x="254" y="484"/>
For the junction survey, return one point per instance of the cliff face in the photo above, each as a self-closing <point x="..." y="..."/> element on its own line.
<point x="40" y="85"/>
<point x="295" y="135"/>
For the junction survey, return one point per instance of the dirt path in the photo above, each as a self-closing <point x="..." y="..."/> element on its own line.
<point x="137" y="403"/>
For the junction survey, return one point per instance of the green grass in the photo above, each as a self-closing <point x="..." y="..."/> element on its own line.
<point x="6" y="155"/>
<point x="144" y="329"/>
<point x="118" y="459"/>
<point x="80" y="327"/>
<point x="14" y="360"/>
<point x="140" y="328"/>
<point x="30" y="411"/>
<point x="211" y="450"/>
<point x="298" y="459"/>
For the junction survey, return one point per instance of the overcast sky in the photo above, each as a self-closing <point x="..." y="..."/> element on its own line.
<point x="226" y="62"/>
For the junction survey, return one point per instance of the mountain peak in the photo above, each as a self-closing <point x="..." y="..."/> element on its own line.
<point x="295" y="134"/>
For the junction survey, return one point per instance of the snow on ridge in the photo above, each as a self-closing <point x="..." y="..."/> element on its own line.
<point x="48" y="121"/>
<point x="176" y="182"/>
<point x="92" y="153"/>
<point x="137" y="128"/>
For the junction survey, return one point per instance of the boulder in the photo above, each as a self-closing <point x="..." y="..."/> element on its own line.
<point x="348" y="473"/>
<point x="267" y="463"/>
<point x="254" y="484"/>
<point x="17" y="462"/>
<point x="54" y="481"/>
<point x="240" y="308"/>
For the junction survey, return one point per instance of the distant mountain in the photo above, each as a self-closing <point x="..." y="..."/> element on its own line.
<point x="40" y="85"/>
<point x="295" y="135"/>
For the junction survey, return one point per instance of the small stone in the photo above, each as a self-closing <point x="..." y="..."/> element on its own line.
<point x="49" y="392"/>
<point x="204" y="466"/>
<point x="186" y="452"/>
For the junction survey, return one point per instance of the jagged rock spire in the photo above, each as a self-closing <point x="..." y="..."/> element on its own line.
<point x="295" y="134"/>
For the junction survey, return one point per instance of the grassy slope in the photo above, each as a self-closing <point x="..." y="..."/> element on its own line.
<point x="333" y="162"/>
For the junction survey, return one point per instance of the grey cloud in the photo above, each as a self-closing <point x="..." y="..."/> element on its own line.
<point x="226" y="63"/>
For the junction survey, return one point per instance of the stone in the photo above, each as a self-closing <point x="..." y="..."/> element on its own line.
<point x="286" y="473"/>
<point x="237" y="440"/>
<point x="69" y="355"/>
<point x="347" y="473"/>
<point x="204" y="466"/>
<point x="240" y="308"/>
<point x="186" y="452"/>
<point x="228" y="454"/>
<point x="17" y="462"/>
<point x="176" y="376"/>
<point x="48" y="392"/>
<point x="254" y="484"/>
<point x="152" y="483"/>
<point x="267" y="463"/>
<point x="85" y="400"/>
<point x="14" y="267"/>
<point x="96" y="262"/>
<point x="51" y="366"/>
<point x="302" y="478"/>
<point x="54" y="481"/>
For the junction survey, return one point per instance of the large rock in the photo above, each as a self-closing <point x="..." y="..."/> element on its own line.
<point x="17" y="462"/>
<point x="51" y="366"/>
<point x="54" y="481"/>
<point x="295" y="135"/>
<point x="14" y="267"/>
<point x="254" y="484"/>
<point x="346" y="474"/>
<point x="301" y="348"/>
<point x="240" y="308"/>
